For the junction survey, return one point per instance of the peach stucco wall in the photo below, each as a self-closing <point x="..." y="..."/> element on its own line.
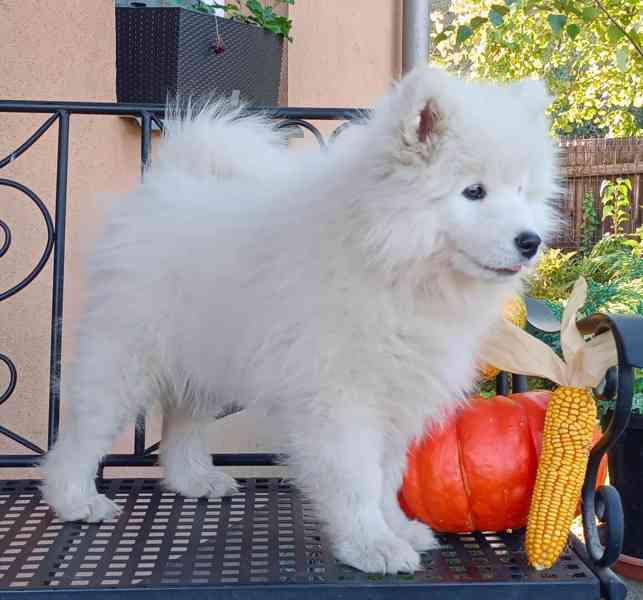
<point x="344" y="54"/>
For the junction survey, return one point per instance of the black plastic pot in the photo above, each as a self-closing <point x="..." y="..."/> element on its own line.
<point x="166" y="51"/>
<point x="626" y="475"/>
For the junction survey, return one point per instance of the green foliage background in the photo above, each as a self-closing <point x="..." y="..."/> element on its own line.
<point x="590" y="52"/>
<point x="613" y="268"/>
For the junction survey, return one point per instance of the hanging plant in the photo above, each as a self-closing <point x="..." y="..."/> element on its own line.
<point x="255" y="13"/>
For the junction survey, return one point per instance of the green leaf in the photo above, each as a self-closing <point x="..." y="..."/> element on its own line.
<point x="571" y="8"/>
<point x="557" y="22"/>
<point x="573" y="30"/>
<point x="441" y="37"/>
<point x="477" y="22"/>
<point x="614" y="33"/>
<point x="499" y="8"/>
<point x="464" y="32"/>
<point x="622" y="58"/>
<point x="589" y="13"/>
<point x="496" y="18"/>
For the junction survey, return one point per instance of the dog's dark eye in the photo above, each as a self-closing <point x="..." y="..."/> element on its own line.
<point x="475" y="192"/>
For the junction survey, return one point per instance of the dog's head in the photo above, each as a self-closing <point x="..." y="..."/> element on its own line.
<point x="467" y="176"/>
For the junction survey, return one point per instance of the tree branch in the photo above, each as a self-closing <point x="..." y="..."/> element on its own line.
<point x="620" y="27"/>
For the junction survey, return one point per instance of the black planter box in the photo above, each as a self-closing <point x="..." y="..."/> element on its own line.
<point x="165" y="51"/>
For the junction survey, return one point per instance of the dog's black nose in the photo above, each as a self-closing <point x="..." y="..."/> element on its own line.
<point x="528" y="242"/>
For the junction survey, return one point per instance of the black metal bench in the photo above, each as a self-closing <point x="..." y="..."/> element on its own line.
<point x="265" y="541"/>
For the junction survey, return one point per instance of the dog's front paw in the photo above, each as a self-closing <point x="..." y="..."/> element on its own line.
<point x="386" y="554"/>
<point x="91" y="509"/>
<point x="419" y="535"/>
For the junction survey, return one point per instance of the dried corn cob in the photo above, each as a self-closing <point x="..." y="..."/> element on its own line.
<point x="515" y="312"/>
<point x="567" y="440"/>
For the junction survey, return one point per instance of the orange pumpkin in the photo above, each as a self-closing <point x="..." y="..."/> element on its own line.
<point x="477" y="471"/>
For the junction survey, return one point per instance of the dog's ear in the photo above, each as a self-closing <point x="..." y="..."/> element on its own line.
<point x="431" y="122"/>
<point x="421" y="102"/>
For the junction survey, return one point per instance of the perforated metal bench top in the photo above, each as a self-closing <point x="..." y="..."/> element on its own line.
<point x="262" y="543"/>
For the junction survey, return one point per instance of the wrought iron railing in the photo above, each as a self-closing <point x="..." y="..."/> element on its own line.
<point x="60" y="113"/>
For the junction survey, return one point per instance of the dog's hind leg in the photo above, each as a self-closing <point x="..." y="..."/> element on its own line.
<point x="109" y="386"/>
<point x="186" y="458"/>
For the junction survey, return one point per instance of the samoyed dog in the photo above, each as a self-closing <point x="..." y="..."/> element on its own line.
<point x="344" y="293"/>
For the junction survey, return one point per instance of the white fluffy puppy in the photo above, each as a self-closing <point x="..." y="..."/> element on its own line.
<point x="346" y="292"/>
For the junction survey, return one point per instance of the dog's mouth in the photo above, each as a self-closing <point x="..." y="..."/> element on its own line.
<point x="502" y="271"/>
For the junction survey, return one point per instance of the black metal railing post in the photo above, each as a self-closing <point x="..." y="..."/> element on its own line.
<point x="146" y="151"/>
<point x="519" y="384"/>
<point x="146" y="142"/>
<point x="502" y="384"/>
<point x="62" y="165"/>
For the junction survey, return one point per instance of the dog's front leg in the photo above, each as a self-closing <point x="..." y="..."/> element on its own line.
<point x="339" y="464"/>
<point x="419" y="535"/>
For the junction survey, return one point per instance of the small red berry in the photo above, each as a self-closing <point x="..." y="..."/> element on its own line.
<point x="218" y="47"/>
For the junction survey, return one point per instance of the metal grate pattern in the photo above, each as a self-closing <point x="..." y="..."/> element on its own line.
<point x="265" y="536"/>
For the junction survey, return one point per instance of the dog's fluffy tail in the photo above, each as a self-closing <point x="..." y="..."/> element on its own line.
<point x="220" y="140"/>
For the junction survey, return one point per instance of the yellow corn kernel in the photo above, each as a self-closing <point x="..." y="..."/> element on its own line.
<point x="567" y="440"/>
